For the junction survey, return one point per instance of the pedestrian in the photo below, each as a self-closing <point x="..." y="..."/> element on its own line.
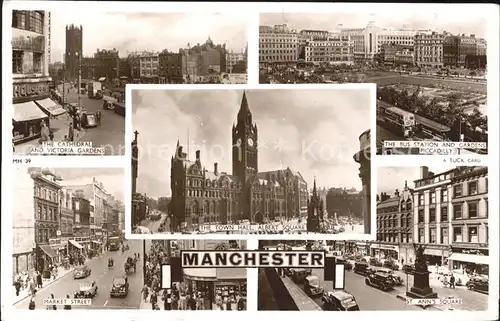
<point x="32" y="304"/>
<point x="71" y="132"/>
<point x="44" y="133"/>
<point x="67" y="306"/>
<point x="153" y="299"/>
<point x="39" y="281"/>
<point x="452" y="281"/>
<point x="145" y="293"/>
<point x="98" y="117"/>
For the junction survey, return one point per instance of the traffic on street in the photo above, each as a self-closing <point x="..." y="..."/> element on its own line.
<point x="103" y="276"/>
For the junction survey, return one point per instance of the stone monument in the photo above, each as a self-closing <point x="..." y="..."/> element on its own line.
<point x="421" y="288"/>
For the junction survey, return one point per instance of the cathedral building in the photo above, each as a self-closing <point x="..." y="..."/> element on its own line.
<point x="201" y="195"/>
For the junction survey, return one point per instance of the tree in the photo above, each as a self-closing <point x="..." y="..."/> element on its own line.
<point x="475" y="119"/>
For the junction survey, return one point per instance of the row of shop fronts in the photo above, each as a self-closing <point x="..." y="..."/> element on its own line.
<point x="228" y="284"/>
<point x="32" y="106"/>
<point x="54" y="252"/>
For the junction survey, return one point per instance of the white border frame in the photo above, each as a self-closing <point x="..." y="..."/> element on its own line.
<point x="488" y="11"/>
<point x="366" y="86"/>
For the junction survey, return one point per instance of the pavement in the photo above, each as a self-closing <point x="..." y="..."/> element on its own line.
<point x="103" y="276"/>
<point x="301" y="299"/>
<point x="111" y="133"/>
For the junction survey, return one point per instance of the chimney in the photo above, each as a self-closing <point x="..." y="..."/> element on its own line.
<point x="424" y="172"/>
<point x="216" y="172"/>
<point x="198" y="156"/>
<point x="396" y="193"/>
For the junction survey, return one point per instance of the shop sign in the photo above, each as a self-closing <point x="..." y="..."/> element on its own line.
<point x="471" y="251"/>
<point x="53" y="242"/>
<point x="27" y="90"/>
<point x="384" y="247"/>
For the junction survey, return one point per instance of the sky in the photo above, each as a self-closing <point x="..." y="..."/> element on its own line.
<point x="451" y="20"/>
<point x="391" y="178"/>
<point x="314" y="132"/>
<point x="127" y="31"/>
<point x="112" y="178"/>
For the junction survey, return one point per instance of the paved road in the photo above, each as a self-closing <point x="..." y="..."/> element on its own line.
<point x="368" y="298"/>
<point x="103" y="277"/>
<point x="111" y="133"/>
<point x="153" y="226"/>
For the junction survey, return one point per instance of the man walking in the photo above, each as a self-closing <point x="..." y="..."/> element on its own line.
<point x="98" y="117"/>
<point x="71" y="132"/>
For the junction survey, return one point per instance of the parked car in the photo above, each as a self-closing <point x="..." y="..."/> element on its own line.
<point x="397" y="280"/>
<point x="361" y="267"/>
<point x="312" y="287"/>
<point x="119" y="287"/>
<point x="86" y="290"/>
<point x="479" y="284"/>
<point x="339" y="301"/>
<point x="82" y="272"/>
<point x="391" y="264"/>
<point x="375" y="262"/>
<point x="299" y="275"/>
<point x="409" y="268"/>
<point x="381" y="281"/>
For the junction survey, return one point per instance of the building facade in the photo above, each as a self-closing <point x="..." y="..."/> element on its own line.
<point x="201" y="196"/>
<point x="203" y="63"/>
<point x="363" y="158"/>
<point x="467" y="45"/>
<point x="234" y="58"/>
<point x="82" y="209"/>
<point x="170" y="67"/>
<point x="396" y="55"/>
<point x="344" y="202"/>
<point x="46" y="201"/>
<point x="66" y="212"/>
<point x="74" y="49"/>
<point x="469" y="220"/>
<point x="30" y="72"/>
<point x="149" y="65"/>
<point x="429" y="50"/>
<point x="107" y="64"/>
<point x="330" y="50"/>
<point x="450" y="51"/>
<point x="277" y="45"/>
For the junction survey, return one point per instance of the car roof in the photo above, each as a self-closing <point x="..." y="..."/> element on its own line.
<point x="341" y="295"/>
<point x="312" y="277"/>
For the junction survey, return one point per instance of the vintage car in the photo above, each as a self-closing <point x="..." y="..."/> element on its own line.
<point x="381" y="281"/>
<point x="390" y="264"/>
<point x="88" y="119"/>
<point x="361" y="267"/>
<point x="339" y="301"/>
<point x="409" y="268"/>
<point x="312" y="287"/>
<point x="395" y="278"/>
<point x="347" y="264"/>
<point x="119" y="287"/>
<point x="479" y="284"/>
<point x="82" y="272"/>
<point x="108" y="102"/>
<point x="299" y="275"/>
<point x="375" y="262"/>
<point x="86" y="290"/>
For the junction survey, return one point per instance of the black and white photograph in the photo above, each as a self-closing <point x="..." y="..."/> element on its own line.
<point x="251" y="161"/>
<point x="430" y="70"/>
<point x="70" y="68"/>
<point x="69" y="240"/>
<point x="213" y="288"/>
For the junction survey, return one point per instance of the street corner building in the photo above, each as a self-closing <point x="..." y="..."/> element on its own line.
<point x="61" y="226"/>
<point x="31" y="83"/>
<point x="211" y="288"/>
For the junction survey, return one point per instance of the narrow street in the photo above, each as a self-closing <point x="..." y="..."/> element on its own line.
<point x="103" y="276"/>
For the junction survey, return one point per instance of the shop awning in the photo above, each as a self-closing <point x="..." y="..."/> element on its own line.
<point x="27" y="111"/>
<point x="200" y="273"/>
<point x="75" y="244"/>
<point x="51" y="106"/>
<point x="96" y="242"/>
<point x="231" y="274"/>
<point x="471" y="258"/>
<point x="48" y="250"/>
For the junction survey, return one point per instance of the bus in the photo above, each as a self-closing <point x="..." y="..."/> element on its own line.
<point x="401" y="120"/>
<point x="114" y="243"/>
<point x="433" y="130"/>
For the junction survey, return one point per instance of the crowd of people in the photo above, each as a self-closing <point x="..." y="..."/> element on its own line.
<point x="180" y="296"/>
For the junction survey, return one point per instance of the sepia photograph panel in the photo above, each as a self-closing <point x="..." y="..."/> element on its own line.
<point x="70" y="69"/>
<point x="254" y="161"/>
<point x="206" y="288"/>
<point x="430" y="71"/>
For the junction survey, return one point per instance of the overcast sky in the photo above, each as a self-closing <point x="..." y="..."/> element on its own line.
<point x="113" y="179"/>
<point x="450" y="20"/>
<point x="391" y="178"/>
<point x="128" y="31"/>
<point x="312" y="131"/>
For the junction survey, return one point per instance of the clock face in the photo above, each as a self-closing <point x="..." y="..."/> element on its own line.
<point x="250" y="142"/>
<point x="238" y="141"/>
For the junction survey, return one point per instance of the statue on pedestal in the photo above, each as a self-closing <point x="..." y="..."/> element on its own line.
<point x="420" y="263"/>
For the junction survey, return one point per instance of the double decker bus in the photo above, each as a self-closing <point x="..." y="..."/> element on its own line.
<point x="431" y="129"/>
<point x="114" y="243"/>
<point x="400" y="120"/>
